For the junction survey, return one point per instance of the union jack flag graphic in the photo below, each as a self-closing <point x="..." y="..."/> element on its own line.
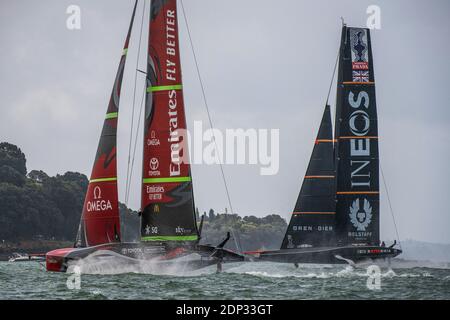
<point x="360" y="76"/>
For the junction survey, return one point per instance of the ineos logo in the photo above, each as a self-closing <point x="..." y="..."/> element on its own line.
<point x="361" y="100"/>
<point x="361" y="115"/>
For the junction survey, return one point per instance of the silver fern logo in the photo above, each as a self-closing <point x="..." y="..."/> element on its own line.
<point x="360" y="218"/>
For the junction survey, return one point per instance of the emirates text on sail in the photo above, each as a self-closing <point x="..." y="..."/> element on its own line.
<point x="174" y="138"/>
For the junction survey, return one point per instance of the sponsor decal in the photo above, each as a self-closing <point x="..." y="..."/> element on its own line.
<point x="313" y="228"/>
<point x="97" y="193"/>
<point x="358" y="46"/>
<point x="155" y="192"/>
<point x="154" y="165"/>
<point x="359" y="146"/>
<point x="360" y="65"/>
<point x="155" y="197"/>
<point x="360" y="218"/>
<point x="359" y="234"/>
<point x="153" y="141"/>
<point x="98" y="204"/>
<point x="174" y="136"/>
<point x="150" y="230"/>
<point x="137" y="252"/>
<point x="302" y="228"/>
<point x="181" y="230"/>
<point x="360" y="209"/>
<point x="360" y="76"/>
<point x="374" y="251"/>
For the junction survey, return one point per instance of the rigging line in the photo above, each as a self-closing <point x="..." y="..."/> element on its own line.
<point x="135" y="144"/>
<point x="134" y="103"/>
<point x="236" y="240"/>
<point x="332" y="77"/>
<point x="390" y="206"/>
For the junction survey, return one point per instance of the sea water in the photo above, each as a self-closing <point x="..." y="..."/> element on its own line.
<point x="112" y="279"/>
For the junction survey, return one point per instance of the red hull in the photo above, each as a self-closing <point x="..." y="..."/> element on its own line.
<point x="55" y="260"/>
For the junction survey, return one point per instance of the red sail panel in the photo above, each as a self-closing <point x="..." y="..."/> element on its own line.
<point x="167" y="196"/>
<point x="100" y="222"/>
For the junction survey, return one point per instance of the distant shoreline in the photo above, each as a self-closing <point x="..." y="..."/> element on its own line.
<point x="31" y="247"/>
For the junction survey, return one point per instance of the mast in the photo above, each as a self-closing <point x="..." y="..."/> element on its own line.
<point x="167" y="202"/>
<point x="357" y="194"/>
<point x="100" y="221"/>
<point x="312" y="222"/>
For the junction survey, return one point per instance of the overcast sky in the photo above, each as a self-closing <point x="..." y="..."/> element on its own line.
<point x="265" y="64"/>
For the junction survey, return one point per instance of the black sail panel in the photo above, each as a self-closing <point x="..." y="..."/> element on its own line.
<point x="357" y="191"/>
<point x="312" y="222"/>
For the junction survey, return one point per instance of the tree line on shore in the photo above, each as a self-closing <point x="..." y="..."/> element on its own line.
<point x="34" y="205"/>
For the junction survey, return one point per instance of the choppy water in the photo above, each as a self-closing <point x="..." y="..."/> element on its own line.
<point x="29" y="280"/>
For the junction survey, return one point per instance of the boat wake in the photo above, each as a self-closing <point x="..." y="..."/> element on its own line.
<point x="282" y="270"/>
<point x="318" y="271"/>
<point x="109" y="262"/>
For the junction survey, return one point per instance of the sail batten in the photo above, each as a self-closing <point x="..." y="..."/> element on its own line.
<point x="167" y="202"/>
<point x="100" y="222"/>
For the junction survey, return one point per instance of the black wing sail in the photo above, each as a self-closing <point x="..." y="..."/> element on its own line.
<point x="312" y="222"/>
<point x="357" y="194"/>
